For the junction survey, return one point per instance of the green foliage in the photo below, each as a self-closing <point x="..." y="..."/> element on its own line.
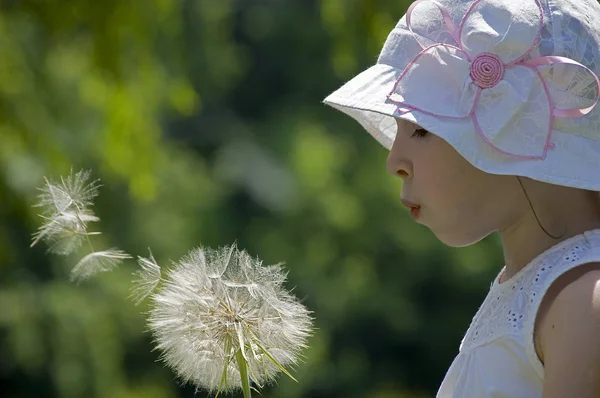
<point x="203" y="120"/>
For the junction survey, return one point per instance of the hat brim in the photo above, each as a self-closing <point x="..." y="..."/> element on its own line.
<point x="364" y="98"/>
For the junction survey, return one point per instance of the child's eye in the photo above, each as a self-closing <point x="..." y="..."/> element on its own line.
<point x="419" y="133"/>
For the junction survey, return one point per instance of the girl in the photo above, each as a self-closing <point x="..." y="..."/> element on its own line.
<point x="489" y="110"/>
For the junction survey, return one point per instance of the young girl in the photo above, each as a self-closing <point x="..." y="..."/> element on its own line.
<point x="489" y="110"/>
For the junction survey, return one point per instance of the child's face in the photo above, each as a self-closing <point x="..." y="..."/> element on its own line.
<point x="459" y="203"/>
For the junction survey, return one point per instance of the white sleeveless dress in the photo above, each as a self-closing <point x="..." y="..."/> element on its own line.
<point x="497" y="357"/>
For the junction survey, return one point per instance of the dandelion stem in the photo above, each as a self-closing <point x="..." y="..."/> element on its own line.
<point x="243" y="373"/>
<point x="85" y="231"/>
<point x="90" y="243"/>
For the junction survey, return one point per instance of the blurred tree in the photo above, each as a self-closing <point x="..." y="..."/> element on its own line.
<point x="203" y="119"/>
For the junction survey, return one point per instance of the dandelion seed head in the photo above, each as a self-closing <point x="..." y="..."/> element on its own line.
<point x="214" y="303"/>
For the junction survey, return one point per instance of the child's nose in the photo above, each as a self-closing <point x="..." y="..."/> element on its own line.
<point x="398" y="166"/>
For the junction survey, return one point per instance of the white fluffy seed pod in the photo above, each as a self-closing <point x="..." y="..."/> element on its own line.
<point x="214" y="303"/>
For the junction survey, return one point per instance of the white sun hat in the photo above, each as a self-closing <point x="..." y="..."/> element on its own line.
<point x="511" y="84"/>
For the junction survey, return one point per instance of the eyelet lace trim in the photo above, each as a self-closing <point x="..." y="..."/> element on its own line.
<point x="511" y="306"/>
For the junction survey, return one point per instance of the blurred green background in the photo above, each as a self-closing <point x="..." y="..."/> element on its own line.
<point x="203" y="119"/>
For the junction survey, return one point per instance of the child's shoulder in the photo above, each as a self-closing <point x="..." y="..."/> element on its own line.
<point x="568" y="332"/>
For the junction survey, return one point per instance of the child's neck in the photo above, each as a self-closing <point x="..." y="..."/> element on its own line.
<point x="525" y="240"/>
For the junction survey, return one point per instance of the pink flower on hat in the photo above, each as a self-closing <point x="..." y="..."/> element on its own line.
<point x="488" y="77"/>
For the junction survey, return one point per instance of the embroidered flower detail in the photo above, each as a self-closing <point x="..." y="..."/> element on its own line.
<point x="487" y="75"/>
<point x="486" y="70"/>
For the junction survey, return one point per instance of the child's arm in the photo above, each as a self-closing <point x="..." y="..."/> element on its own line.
<point x="569" y="337"/>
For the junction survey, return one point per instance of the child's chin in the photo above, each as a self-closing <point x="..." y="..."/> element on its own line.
<point x="457" y="238"/>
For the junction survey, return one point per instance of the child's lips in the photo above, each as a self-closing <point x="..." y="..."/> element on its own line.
<point x="409" y="204"/>
<point x="414" y="212"/>
<point x="415" y="209"/>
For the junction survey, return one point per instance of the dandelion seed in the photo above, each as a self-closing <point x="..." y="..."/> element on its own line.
<point x="65" y="232"/>
<point x="96" y="262"/>
<point x="74" y="192"/>
<point x="216" y="307"/>
<point x="66" y="208"/>
<point x="148" y="279"/>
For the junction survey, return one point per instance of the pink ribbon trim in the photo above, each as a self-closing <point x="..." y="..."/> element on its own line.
<point x="413" y="107"/>
<point x="553" y="59"/>
<point x="445" y="14"/>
